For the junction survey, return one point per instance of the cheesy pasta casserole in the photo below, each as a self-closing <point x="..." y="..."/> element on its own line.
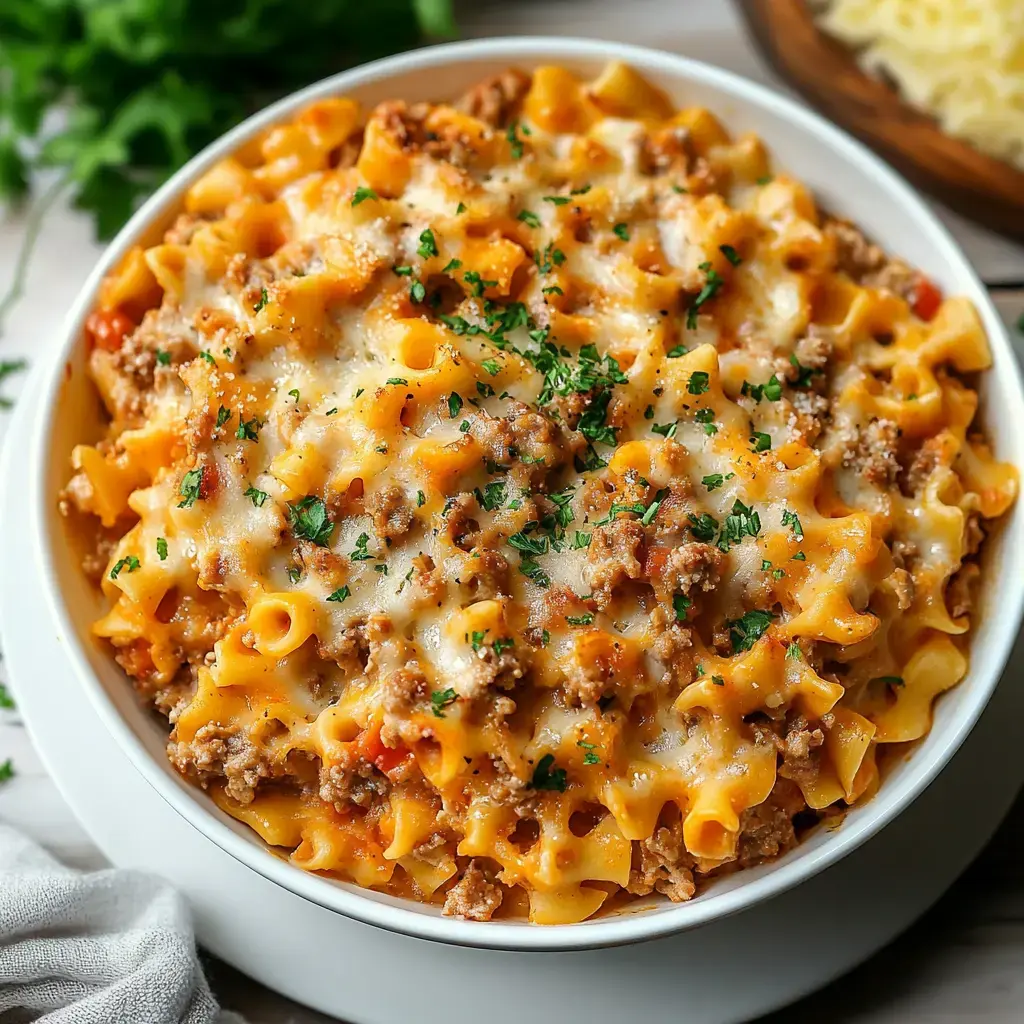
<point x="532" y="502"/>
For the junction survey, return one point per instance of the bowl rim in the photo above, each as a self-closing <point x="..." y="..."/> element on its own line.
<point x="613" y="930"/>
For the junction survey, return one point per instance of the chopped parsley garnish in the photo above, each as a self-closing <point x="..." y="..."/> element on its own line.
<point x="309" y="520"/>
<point x="417" y="291"/>
<point x="191" y="486"/>
<point x="331" y="412"/>
<point x="529" y="545"/>
<point x="532" y="571"/>
<point x="804" y="373"/>
<point x="760" y="441"/>
<point x="515" y="143"/>
<point x="440" y="699"/>
<point x="427" y="246"/>
<point x="503" y="643"/>
<point x="341" y="594"/>
<point x="264" y="299"/>
<point x="742" y="522"/>
<point x="248" y="430"/>
<point x="799" y="557"/>
<point x="223" y="415"/>
<point x="676" y="351"/>
<point x="580" y="620"/>
<point x="294" y="393"/>
<point x="402" y="271"/>
<point x="581" y="191"/>
<point x="889" y="680"/>
<point x="580" y="540"/>
<point x="718" y="681"/>
<point x="529" y="218"/>
<point x="381" y="568"/>
<point x="621" y="231"/>
<point x="361" y="554"/>
<point x="492" y="496"/>
<point x="556" y="200"/>
<point x="703" y="526"/>
<point x="257" y="497"/>
<point x="712" y="282"/>
<point x="163" y="358"/>
<point x="128" y="564"/>
<point x="551" y="257"/>
<point x="547" y="777"/>
<point x="294" y="573"/>
<point x="450" y="266"/>
<point x="6" y="770"/>
<point x="478" y="283"/>
<point x="492" y="366"/>
<point x="793" y="651"/>
<point x="552" y="289"/>
<point x="713" y="481"/>
<point x="746" y="631"/>
<point x="362" y="193"/>
<point x="454" y="405"/>
<point x="771" y="389"/>
<point x="706" y="418"/>
<point x="680" y="605"/>
<point x="699" y="383"/>
<point x="590" y="757"/>
<point x="476" y="638"/>
<point x="731" y="254"/>
<point x="592" y="423"/>
<point x="766" y="179"/>
<point x="6" y="700"/>
<point x="398" y="381"/>
<point x="792" y="519"/>
<point x="483" y="389"/>
<point x="464" y="427"/>
<point x="461" y="208"/>
<point x="421" y="499"/>
<point x="652" y="510"/>
<point x="207" y="357"/>
<point x="161" y="548"/>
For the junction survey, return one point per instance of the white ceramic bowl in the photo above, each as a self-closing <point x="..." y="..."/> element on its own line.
<point x="850" y="181"/>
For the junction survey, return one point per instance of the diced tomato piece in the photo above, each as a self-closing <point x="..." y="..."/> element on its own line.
<point x="385" y="758"/>
<point x="108" y="328"/>
<point x="927" y="298"/>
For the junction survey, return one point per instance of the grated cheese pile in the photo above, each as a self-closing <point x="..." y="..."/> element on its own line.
<point x="960" y="60"/>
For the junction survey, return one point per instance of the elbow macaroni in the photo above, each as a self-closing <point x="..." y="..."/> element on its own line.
<point x="533" y="501"/>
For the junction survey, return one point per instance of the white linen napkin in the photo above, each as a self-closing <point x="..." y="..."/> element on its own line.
<point x="105" y="947"/>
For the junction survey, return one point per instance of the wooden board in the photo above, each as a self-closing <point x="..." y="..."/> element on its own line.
<point x="827" y="75"/>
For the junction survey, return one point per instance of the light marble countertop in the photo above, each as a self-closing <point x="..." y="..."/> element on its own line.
<point x="965" y="959"/>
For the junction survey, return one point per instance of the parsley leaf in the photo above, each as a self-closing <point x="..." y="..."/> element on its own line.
<point x="747" y="630"/>
<point x="792" y="519"/>
<point x="428" y="245"/>
<point x="440" y="699"/>
<point x="310" y="520"/>
<point x="547" y="777"/>
<point x="341" y="594"/>
<point x="529" y="218"/>
<point x="128" y="564"/>
<point x="712" y="282"/>
<point x="621" y="231"/>
<point x="264" y="299"/>
<point x="454" y="405"/>
<point x="361" y="554"/>
<point x="257" y="497"/>
<point x="362" y="193"/>
<point x="680" y="605"/>
<point x="191" y="486"/>
<point x="161" y="548"/>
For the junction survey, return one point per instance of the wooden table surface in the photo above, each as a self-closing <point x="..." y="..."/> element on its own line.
<point x="964" y="961"/>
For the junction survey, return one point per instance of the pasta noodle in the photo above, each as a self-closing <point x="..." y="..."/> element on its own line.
<point x="531" y="503"/>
